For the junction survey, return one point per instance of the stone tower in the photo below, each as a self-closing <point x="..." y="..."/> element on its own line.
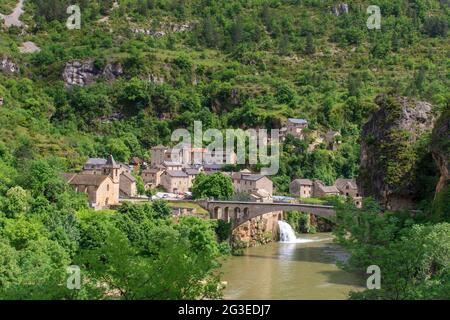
<point x="112" y="169"/>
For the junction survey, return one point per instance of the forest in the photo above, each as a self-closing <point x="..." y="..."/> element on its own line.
<point x="230" y="64"/>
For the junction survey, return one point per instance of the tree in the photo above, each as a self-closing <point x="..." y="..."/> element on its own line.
<point x="161" y="209"/>
<point x="310" y="48"/>
<point x="16" y="202"/>
<point x="436" y="26"/>
<point x="217" y="186"/>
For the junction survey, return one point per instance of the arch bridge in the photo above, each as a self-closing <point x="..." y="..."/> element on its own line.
<point x="239" y="212"/>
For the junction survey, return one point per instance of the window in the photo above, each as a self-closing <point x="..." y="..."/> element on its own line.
<point x="107" y="187"/>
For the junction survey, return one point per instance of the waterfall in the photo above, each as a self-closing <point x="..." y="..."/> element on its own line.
<point x="287" y="234"/>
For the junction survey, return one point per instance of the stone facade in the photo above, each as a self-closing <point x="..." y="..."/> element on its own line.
<point x="102" y="191"/>
<point x="295" y="127"/>
<point x="175" y="181"/>
<point x="321" y="190"/>
<point x="127" y="183"/>
<point x="302" y="188"/>
<point x="245" y="182"/>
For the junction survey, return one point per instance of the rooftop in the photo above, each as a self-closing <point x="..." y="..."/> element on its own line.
<point x="298" y="121"/>
<point x="304" y="182"/>
<point x="85" y="179"/>
<point x="177" y="173"/>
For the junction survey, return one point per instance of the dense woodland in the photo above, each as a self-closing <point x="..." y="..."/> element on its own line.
<point x="242" y="64"/>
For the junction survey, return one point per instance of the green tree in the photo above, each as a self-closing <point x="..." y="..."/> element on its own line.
<point x="217" y="186"/>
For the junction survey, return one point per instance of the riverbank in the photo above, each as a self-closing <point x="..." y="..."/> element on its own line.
<point x="290" y="271"/>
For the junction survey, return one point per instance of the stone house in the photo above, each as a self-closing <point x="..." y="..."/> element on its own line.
<point x="96" y="166"/>
<point x="295" y="127"/>
<point x="175" y="181"/>
<point x="192" y="174"/>
<point x="152" y="177"/>
<point x="321" y="190"/>
<point x="245" y="182"/>
<point x="127" y="185"/>
<point x="302" y="188"/>
<point x="103" y="188"/>
<point x="261" y="195"/>
<point x="349" y="188"/>
<point x="187" y="155"/>
<point x="158" y="155"/>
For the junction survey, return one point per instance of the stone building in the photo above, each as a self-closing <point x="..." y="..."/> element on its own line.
<point x="349" y="188"/>
<point x="158" y="155"/>
<point x="102" y="188"/>
<point x="152" y="177"/>
<point x="321" y="190"/>
<point x="127" y="186"/>
<point x="245" y="182"/>
<point x="188" y="156"/>
<point x="175" y="181"/>
<point x="295" y="127"/>
<point x="302" y="188"/>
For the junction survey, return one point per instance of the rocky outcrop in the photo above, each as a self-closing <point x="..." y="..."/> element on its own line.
<point x="440" y="149"/>
<point x="8" y="66"/>
<point x="340" y="9"/>
<point x="83" y="73"/>
<point x="154" y="78"/>
<point x="389" y="153"/>
<point x="165" y="29"/>
<point x="260" y="230"/>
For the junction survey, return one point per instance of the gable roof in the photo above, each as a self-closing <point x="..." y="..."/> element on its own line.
<point x="303" y="182"/>
<point x="87" y="179"/>
<point x="192" y="171"/>
<point x="128" y="176"/>
<point x="177" y="173"/>
<point x="96" y="161"/>
<point x="343" y="183"/>
<point x="110" y="161"/>
<point x="328" y="189"/>
<point x="298" y="121"/>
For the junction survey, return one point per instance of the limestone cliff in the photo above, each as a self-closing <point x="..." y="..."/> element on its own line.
<point x="83" y="73"/>
<point x="390" y="150"/>
<point x="260" y="230"/>
<point x="8" y="66"/>
<point x="440" y="148"/>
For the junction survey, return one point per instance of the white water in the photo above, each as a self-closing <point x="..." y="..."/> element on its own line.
<point x="287" y="234"/>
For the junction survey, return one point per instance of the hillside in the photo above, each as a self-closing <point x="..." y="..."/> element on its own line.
<point x="136" y="70"/>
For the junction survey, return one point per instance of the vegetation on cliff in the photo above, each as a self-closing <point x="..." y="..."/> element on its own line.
<point x="413" y="255"/>
<point x="229" y="64"/>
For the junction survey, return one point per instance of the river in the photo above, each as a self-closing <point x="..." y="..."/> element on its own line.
<point x="284" y="271"/>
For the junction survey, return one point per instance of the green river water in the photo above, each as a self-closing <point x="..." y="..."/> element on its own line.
<point x="290" y="271"/>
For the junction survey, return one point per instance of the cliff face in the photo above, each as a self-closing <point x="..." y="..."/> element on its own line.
<point x="83" y="73"/>
<point x="440" y="149"/>
<point x="390" y="151"/>
<point x="7" y="66"/>
<point x="260" y="230"/>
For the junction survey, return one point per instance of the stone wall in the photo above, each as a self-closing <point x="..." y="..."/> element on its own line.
<point x="259" y="230"/>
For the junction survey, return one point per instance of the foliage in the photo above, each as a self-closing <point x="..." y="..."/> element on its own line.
<point x="413" y="258"/>
<point x="217" y="186"/>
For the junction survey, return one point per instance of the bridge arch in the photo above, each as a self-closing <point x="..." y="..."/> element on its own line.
<point x="218" y="213"/>
<point x="239" y="212"/>
<point x="246" y="213"/>
<point x="226" y="214"/>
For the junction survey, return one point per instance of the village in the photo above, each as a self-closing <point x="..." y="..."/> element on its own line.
<point x="107" y="182"/>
